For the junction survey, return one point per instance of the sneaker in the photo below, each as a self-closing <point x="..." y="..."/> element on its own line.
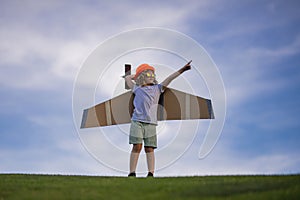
<point x="150" y="174"/>
<point x="132" y="174"/>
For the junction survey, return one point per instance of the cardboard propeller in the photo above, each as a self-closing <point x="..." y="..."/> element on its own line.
<point x="173" y="105"/>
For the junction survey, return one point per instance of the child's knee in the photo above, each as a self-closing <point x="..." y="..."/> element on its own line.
<point x="149" y="149"/>
<point x="137" y="148"/>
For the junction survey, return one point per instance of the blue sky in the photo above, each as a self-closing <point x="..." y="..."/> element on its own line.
<point x="255" y="45"/>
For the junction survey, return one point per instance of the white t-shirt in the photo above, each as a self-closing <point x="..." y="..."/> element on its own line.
<point x="145" y="103"/>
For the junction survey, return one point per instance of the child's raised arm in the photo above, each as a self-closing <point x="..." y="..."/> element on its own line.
<point x="129" y="81"/>
<point x="170" y="78"/>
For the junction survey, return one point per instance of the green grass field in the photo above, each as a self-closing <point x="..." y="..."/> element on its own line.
<point x="19" y="186"/>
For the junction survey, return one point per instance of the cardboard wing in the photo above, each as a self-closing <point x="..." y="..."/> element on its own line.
<point x="173" y="105"/>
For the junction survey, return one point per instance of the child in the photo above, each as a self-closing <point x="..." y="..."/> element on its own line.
<point x="144" y="118"/>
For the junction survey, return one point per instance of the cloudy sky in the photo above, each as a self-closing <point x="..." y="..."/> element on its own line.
<point x="254" y="44"/>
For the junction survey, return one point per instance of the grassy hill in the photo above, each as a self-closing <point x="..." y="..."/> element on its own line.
<point x="22" y="186"/>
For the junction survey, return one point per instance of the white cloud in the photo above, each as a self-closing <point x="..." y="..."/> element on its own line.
<point x="274" y="54"/>
<point x="52" y="161"/>
<point x="251" y="72"/>
<point x="224" y="161"/>
<point x="42" y="50"/>
<point x="32" y="60"/>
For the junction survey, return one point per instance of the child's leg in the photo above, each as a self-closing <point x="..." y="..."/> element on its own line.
<point x="150" y="143"/>
<point x="150" y="159"/>
<point x="134" y="156"/>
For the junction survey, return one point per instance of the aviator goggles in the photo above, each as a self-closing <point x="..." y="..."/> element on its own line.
<point x="149" y="75"/>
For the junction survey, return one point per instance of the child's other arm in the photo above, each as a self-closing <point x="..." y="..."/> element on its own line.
<point x="129" y="81"/>
<point x="170" y="78"/>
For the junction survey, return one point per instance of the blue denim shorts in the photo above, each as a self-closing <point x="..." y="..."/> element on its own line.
<point x="140" y="131"/>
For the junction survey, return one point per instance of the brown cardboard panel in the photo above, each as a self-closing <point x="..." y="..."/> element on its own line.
<point x="111" y="112"/>
<point x="100" y="113"/>
<point x="204" y="114"/>
<point x="94" y="116"/>
<point x="183" y="106"/>
<point x="195" y="108"/>
<point x="120" y="108"/>
<point x="174" y="105"/>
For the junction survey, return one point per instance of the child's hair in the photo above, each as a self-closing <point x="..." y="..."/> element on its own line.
<point x="140" y="80"/>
